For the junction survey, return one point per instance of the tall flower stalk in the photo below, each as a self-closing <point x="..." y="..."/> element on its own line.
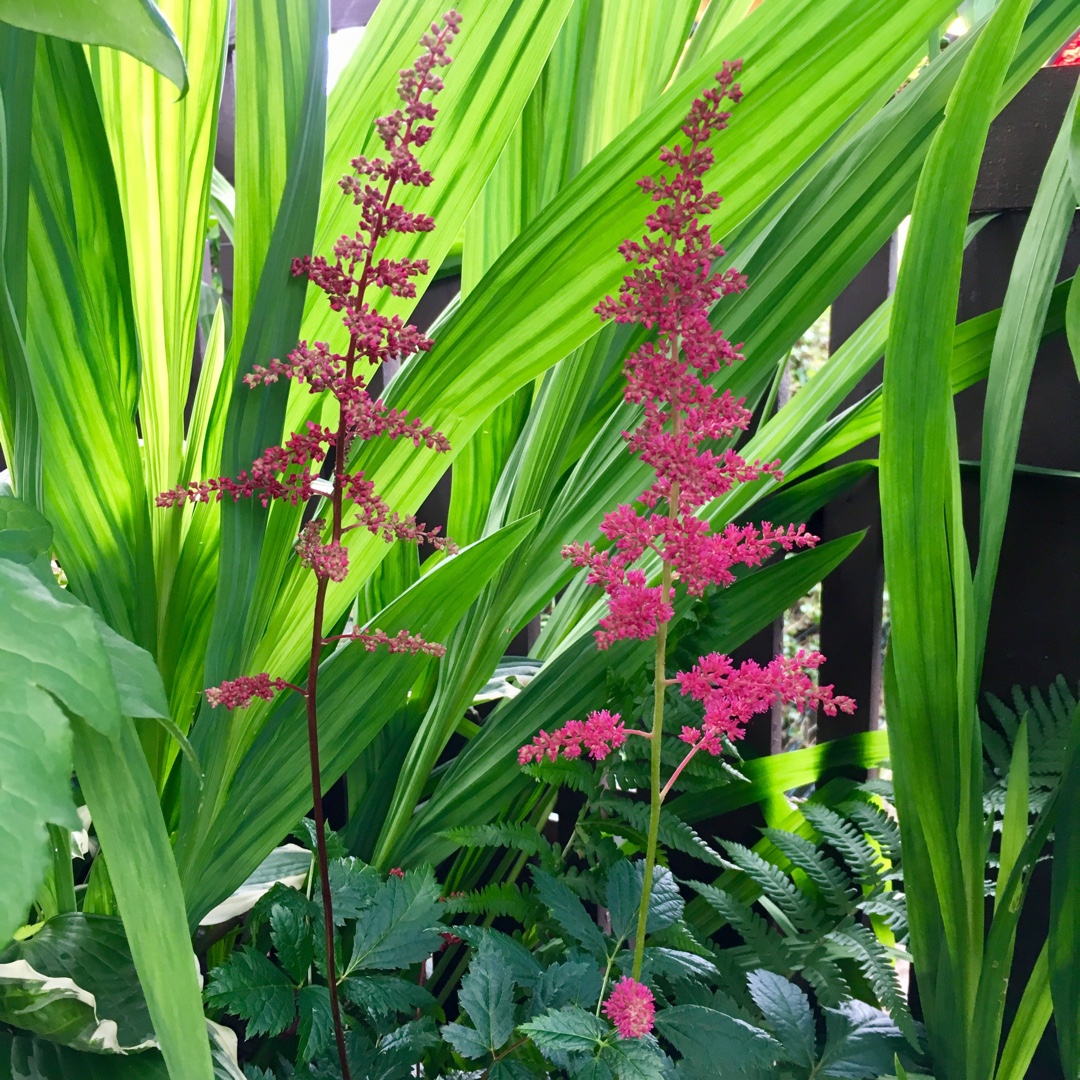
<point x="292" y="472"/>
<point x="671" y="291"/>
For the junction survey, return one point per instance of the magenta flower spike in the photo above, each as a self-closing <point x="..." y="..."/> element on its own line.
<point x="671" y="290"/>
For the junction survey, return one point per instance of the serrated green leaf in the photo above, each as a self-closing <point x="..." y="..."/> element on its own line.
<point x="293" y="940"/>
<point x="465" y="1040"/>
<point x="624" y="897"/>
<point x="571" y="982"/>
<point x="569" y="912"/>
<point x="787" y="1011"/>
<point x="383" y="995"/>
<point x="248" y="985"/>
<point x="316" y="1025"/>
<point x="519" y="961"/>
<point x="705" y="1036"/>
<point x="487" y="996"/>
<point x="678" y="963"/>
<point x="568" y="1031"/>
<point x="635" y="1059"/>
<point x="353" y="885"/>
<point x="397" y="929"/>
<point x="860" y="1041"/>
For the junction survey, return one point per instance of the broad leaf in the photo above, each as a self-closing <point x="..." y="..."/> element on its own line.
<point x="569" y="912"/>
<point x="133" y="26"/>
<point x="74" y="983"/>
<point x="51" y="658"/>
<point x="787" y="1012"/>
<point x="568" y="1031"/>
<point x="704" y="1036"/>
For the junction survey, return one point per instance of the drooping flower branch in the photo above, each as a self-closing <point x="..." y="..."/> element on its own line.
<point x="671" y="291"/>
<point x="292" y="472"/>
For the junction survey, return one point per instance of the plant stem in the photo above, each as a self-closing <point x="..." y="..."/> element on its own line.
<point x="655" y="793"/>
<point x="320" y="823"/>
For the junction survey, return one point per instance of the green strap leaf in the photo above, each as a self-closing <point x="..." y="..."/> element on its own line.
<point x="79" y="308"/>
<point x="123" y="801"/>
<point x="934" y="753"/>
<point x="358" y="694"/>
<point x="136" y="27"/>
<point x="1064" y="940"/>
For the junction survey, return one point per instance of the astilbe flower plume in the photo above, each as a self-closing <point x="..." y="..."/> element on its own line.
<point x="671" y="291"/>
<point x="292" y="472"/>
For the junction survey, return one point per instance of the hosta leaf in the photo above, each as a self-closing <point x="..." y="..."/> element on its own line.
<point x="251" y="987"/>
<point x="74" y="983"/>
<point x="51" y="658"/>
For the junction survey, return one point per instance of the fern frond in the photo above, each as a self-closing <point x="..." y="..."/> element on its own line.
<point x="862" y="946"/>
<point x="825" y="976"/>
<point x="877" y="824"/>
<point x="860" y="856"/>
<point x="573" y="773"/>
<point x="674" y="832"/>
<point x="891" y="906"/>
<point x="776" y="886"/>
<point x="835" y="889"/>
<point x="764" y="943"/>
<point x="503" y="898"/>
<point x="520" y="836"/>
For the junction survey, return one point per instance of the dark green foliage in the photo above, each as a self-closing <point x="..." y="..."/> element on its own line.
<point x="819" y="894"/>
<point x="1048" y="731"/>
<point x="396" y="929"/>
<point x="250" y="986"/>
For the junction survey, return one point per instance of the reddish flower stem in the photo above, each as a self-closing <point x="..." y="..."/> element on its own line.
<point x="320" y="821"/>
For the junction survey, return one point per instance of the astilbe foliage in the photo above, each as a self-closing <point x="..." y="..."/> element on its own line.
<point x="670" y="291"/>
<point x="291" y="472"/>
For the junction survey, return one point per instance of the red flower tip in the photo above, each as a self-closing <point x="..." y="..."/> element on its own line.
<point x="631" y="1008"/>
